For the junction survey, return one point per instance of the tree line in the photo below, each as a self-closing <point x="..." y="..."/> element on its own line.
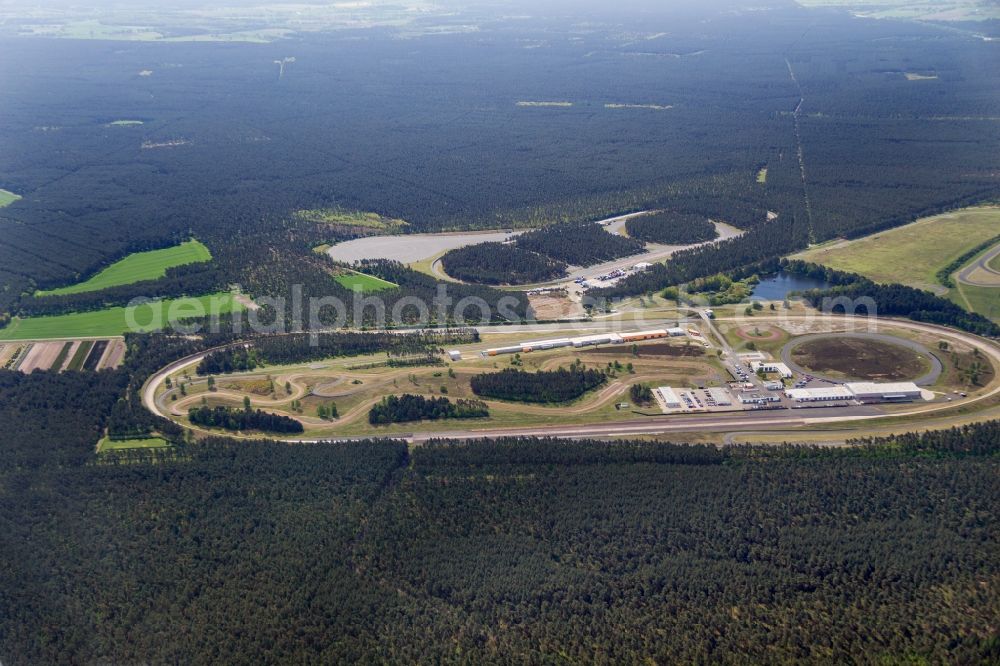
<point x="543" y="386"/>
<point x="671" y="227"/>
<point x="888" y="299"/>
<point x="500" y="263"/>
<point x="229" y="418"/>
<point x="579" y="244"/>
<point x="409" y="407"/>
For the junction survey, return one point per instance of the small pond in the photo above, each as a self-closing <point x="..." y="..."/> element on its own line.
<point x="776" y="287"/>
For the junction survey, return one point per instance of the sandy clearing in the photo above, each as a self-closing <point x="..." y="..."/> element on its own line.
<point x="246" y="301"/>
<point x="113" y="355"/>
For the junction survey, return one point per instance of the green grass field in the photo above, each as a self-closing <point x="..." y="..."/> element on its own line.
<point x="350" y="218"/>
<point x="984" y="300"/>
<point x="115" y="321"/>
<point x="911" y="254"/>
<point x="762" y="175"/>
<point x="7" y="198"/>
<point x="367" y="283"/>
<point x="107" y="444"/>
<point x="137" y="267"/>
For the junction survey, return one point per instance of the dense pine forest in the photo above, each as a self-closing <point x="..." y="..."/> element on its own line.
<point x="671" y="227"/>
<point x="409" y="407"/>
<point x="544" y="386"/>
<point x="227" y="154"/>
<point x="513" y="549"/>
<point x="500" y="263"/>
<point x="796" y="125"/>
<point x="229" y="418"/>
<point x="578" y="244"/>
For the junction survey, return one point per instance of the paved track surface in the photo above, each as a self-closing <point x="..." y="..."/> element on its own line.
<point x="967" y="274"/>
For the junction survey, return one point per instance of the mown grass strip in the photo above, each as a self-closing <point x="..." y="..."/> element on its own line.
<point x="107" y="444"/>
<point x="61" y="358"/>
<point x="80" y="356"/>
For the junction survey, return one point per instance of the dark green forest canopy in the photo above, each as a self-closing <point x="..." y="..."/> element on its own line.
<point x="237" y="551"/>
<point x="227" y="150"/>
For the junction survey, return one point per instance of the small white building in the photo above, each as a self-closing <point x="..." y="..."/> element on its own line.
<point x="758" y="398"/>
<point x="455" y="355"/>
<point x="771" y="366"/>
<point x="721" y="396"/>
<point x="669" y="397"/>
<point x="642" y="265"/>
<point x="676" y="332"/>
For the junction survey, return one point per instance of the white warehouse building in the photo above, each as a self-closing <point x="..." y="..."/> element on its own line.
<point x="821" y="394"/>
<point x="669" y="397"/>
<point x="885" y="392"/>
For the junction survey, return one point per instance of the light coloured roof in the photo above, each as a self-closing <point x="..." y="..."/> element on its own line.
<point x="820" y="393"/>
<point x="882" y="388"/>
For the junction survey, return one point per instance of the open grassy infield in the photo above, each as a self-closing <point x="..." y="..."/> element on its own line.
<point x="366" y="283"/>
<point x="7" y="198"/>
<point x="115" y="321"/>
<point x="137" y="267"/>
<point x="911" y="254"/>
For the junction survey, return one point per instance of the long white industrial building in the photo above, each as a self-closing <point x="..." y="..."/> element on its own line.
<point x="860" y="391"/>
<point x="884" y="392"/>
<point x="582" y="341"/>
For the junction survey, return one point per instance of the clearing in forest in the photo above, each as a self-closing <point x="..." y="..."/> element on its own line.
<point x="366" y="283"/>
<point x="7" y="197"/>
<point x="115" y="321"/>
<point x="346" y="218"/>
<point x="108" y="444"/>
<point x="137" y="267"/>
<point x="914" y="253"/>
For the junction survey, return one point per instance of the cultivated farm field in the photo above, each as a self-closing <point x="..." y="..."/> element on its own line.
<point x="137" y="267"/>
<point x="115" y="321"/>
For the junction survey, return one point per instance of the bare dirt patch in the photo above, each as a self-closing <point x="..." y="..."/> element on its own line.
<point x="859" y="358"/>
<point x="656" y="349"/>
<point x="552" y="306"/>
<point x="41" y="356"/>
<point x="113" y="355"/>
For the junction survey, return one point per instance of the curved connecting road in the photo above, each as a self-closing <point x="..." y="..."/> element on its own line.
<point x="965" y="276"/>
